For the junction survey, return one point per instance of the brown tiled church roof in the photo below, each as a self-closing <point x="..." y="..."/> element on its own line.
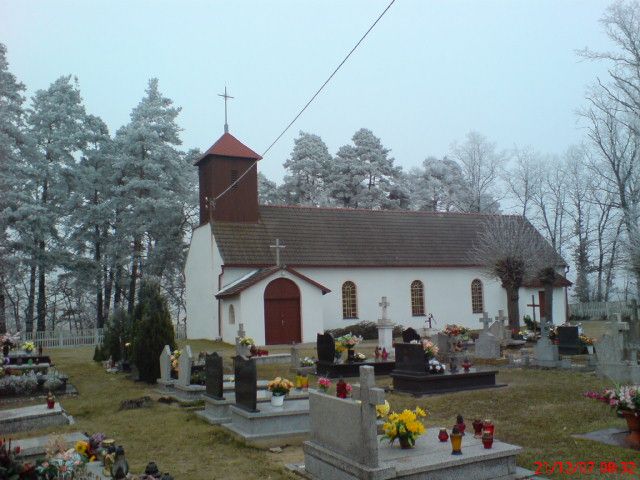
<point x="229" y="146"/>
<point x="327" y="237"/>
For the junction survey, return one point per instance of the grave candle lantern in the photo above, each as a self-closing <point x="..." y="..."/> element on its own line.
<point x="443" y="436"/>
<point x="487" y="439"/>
<point x="477" y="427"/>
<point x="489" y="427"/>
<point x="51" y="401"/>
<point x="341" y="389"/>
<point x="456" y="442"/>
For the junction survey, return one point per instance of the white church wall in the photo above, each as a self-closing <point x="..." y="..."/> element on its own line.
<point x="229" y="328"/>
<point x="447" y="294"/>
<point x="201" y="272"/>
<point x="252" y="310"/>
<point x="230" y="275"/>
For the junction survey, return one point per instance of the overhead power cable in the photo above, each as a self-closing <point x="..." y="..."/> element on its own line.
<point x="254" y="163"/>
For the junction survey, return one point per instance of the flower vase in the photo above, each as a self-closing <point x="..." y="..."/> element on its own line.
<point x="633" y="422"/>
<point x="405" y="443"/>
<point x="244" y="350"/>
<point x="351" y="355"/>
<point x="277" y="400"/>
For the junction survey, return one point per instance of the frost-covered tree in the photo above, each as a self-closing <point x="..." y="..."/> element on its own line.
<point x="437" y="186"/>
<point x="481" y="165"/>
<point x="56" y="122"/>
<point x="268" y="192"/>
<point x="12" y="151"/>
<point x="307" y="168"/>
<point x="154" y="182"/>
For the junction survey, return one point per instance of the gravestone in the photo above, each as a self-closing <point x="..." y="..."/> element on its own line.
<point x="615" y="355"/>
<point x="410" y="358"/>
<point x="410" y="335"/>
<point x="385" y="327"/>
<point x="185" y="363"/>
<point x="326" y="347"/>
<point x="295" y="356"/>
<point x="487" y="345"/>
<point x="545" y="352"/>
<point x="442" y="342"/>
<point x="498" y="328"/>
<point x="165" y="367"/>
<point x="569" y="340"/>
<point x="246" y="378"/>
<point x="214" y="376"/>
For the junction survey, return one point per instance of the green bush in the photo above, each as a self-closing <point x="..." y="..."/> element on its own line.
<point x="532" y="325"/>
<point x="366" y="330"/>
<point x="117" y="334"/>
<point x="152" y="331"/>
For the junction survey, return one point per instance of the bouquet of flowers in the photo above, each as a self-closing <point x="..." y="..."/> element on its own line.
<point x="307" y="362"/>
<point x="324" y="384"/>
<point x="455" y="331"/>
<point x="174" y="359"/>
<point x="624" y="398"/>
<point x="405" y="426"/>
<point x="10" y="340"/>
<point x="246" y="341"/>
<point x="586" y="341"/>
<point x="430" y="349"/>
<point x="348" y="341"/>
<point x="435" y="366"/>
<point x="279" y="386"/>
<point x="28" y="347"/>
<point x="383" y="410"/>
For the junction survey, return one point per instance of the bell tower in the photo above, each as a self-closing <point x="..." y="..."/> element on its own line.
<point x="220" y="166"/>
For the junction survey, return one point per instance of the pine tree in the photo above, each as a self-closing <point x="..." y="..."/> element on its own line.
<point x="307" y="168"/>
<point x="153" y="330"/>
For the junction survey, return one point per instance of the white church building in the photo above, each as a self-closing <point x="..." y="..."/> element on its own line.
<point x="288" y="273"/>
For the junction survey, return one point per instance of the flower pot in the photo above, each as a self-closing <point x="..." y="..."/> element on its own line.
<point x="277" y="400"/>
<point x="244" y="350"/>
<point x="633" y="422"/>
<point x="405" y="443"/>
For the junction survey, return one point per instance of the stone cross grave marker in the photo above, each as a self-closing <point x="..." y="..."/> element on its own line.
<point x="241" y="333"/>
<point x="497" y="328"/>
<point x="485" y="320"/>
<point x="295" y="356"/>
<point x="246" y="383"/>
<point x="165" y="364"/>
<point x="385" y="328"/>
<point x="184" y="367"/>
<point x="369" y="396"/>
<point x="214" y="375"/>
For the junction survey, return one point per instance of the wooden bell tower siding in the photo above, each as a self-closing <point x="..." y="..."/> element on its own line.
<point x="223" y="163"/>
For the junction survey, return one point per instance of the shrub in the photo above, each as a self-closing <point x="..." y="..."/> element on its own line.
<point x="531" y="324"/>
<point x="153" y="330"/>
<point x="366" y="330"/>
<point x="118" y="333"/>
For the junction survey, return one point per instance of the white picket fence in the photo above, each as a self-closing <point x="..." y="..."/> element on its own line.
<point x="78" y="338"/>
<point x="597" y="310"/>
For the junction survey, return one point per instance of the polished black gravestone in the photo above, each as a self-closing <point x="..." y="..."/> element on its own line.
<point x="214" y="376"/>
<point x="409" y="335"/>
<point x="411" y="375"/>
<point x="327" y="366"/>
<point x="246" y="383"/>
<point x="569" y="341"/>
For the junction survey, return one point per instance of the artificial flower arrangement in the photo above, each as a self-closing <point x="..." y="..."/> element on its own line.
<point x="586" y="340"/>
<point x="348" y="341"/>
<point x="324" y="384"/>
<point x="454" y="330"/>
<point x="307" y="362"/>
<point x="383" y="410"/>
<point x="9" y="340"/>
<point x="624" y="398"/>
<point x="246" y="341"/>
<point x="279" y="386"/>
<point x="359" y="357"/>
<point x="258" y="352"/>
<point x="175" y="356"/>
<point x="343" y="389"/>
<point x="527" y="335"/>
<point x="28" y="347"/>
<point x="434" y="366"/>
<point x="430" y="349"/>
<point x="405" y="426"/>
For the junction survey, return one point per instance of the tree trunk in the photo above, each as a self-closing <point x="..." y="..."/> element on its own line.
<point x="28" y="321"/>
<point x="513" y="307"/>
<point x="108" y="283"/>
<point x="117" y="295"/>
<point x="42" y="300"/>
<point x="99" y="301"/>
<point x="3" y="314"/>
<point x="137" y="245"/>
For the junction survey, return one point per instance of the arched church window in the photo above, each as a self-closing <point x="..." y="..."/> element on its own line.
<point x="232" y="315"/>
<point x="417" y="298"/>
<point x="477" y="298"/>
<point x="349" y="301"/>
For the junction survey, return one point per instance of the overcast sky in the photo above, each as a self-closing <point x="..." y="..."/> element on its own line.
<point x="427" y="74"/>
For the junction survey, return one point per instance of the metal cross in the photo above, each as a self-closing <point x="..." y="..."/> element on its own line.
<point x="485" y="320"/>
<point x="278" y="247"/>
<point x="226" y="97"/>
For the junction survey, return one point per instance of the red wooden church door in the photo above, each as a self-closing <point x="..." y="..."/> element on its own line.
<point x="282" y="312"/>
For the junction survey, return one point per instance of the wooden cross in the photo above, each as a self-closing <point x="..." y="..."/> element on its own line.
<point x="485" y="320"/>
<point x="278" y="247"/>
<point x="226" y="97"/>
<point x="533" y="306"/>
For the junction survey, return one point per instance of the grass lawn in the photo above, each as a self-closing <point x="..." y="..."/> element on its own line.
<point x="539" y="410"/>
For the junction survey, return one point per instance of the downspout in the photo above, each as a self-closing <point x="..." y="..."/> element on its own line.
<point x="566" y="297"/>
<point x="219" y="304"/>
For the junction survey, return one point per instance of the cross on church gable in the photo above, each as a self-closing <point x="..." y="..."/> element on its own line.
<point x="226" y="97"/>
<point x="278" y="246"/>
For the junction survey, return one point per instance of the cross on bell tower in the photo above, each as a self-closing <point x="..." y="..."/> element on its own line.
<point x="226" y="97"/>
